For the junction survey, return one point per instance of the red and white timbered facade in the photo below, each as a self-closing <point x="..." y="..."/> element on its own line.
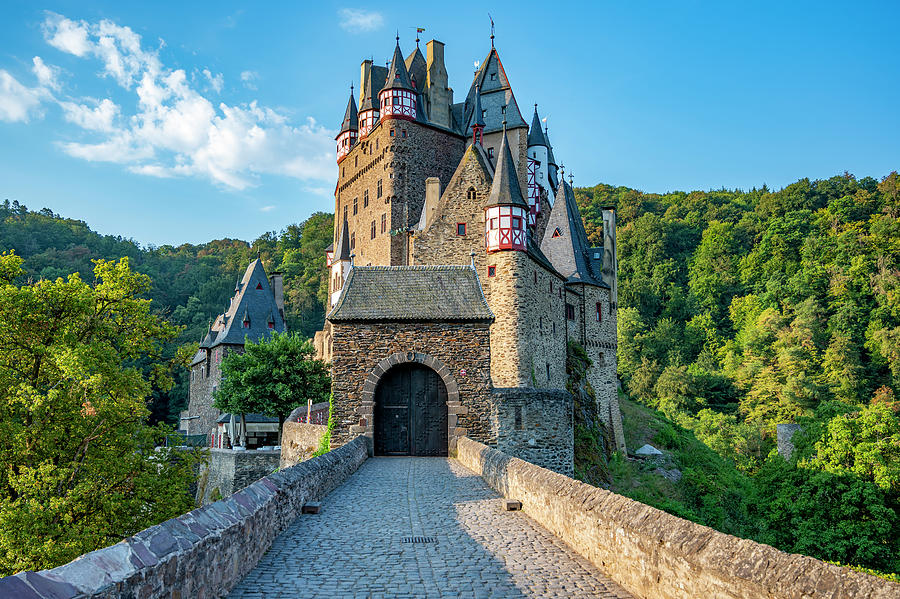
<point x="345" y="141"/>
<point x="367" y="119"/>
<point x="534" y="192"/>
<point x="398" y="103"/>
<point x="504" y="228"/>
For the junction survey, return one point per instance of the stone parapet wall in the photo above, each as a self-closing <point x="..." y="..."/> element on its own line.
<point x="655" y="555"/>
<point x="201" y="554"/>
<point x="536" y="425"/>
<point x="299" y="441"/>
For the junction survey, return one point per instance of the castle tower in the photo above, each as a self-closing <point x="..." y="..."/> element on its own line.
<point x="505" y="210"/>
<point x="538" y="150"/>
<point x="340" y="264"/>
<point x="346" y="138"/>
<point x="478" y="120"/>
<point x="398" y="97"/>
<point x="371" y="79"/>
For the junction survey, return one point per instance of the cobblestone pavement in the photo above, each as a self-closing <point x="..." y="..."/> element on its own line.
<point x="354" y="547"/>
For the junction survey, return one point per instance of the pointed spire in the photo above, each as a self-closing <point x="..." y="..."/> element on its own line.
<point x="535" y="134"/>
<point x="343" y="244"/>
<point x="351" y="122"/>
<point x="505" y="190"/>
<point x="398" y="77"/>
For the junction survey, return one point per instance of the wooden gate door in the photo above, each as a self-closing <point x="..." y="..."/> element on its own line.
<point x="411" y="412"/>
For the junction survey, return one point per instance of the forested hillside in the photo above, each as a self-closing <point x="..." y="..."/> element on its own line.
<point x="741" y="310"/>
<point x="191" y="283"/>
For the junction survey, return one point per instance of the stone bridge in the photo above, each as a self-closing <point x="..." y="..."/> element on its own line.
<point x="436" y="527"/>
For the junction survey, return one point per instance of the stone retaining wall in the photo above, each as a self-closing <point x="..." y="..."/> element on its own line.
<point x="231" y="470"/>
<point x="299" y="441"/>
<point x="655" y="555"/>
<point x="201" y="554"/>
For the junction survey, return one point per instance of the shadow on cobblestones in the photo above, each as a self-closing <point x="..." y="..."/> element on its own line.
<point x="354" y="547"/>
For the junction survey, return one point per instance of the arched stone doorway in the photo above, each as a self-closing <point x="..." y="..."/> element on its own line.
<point x="411" y="412"/>
<point x="370" y="411"/>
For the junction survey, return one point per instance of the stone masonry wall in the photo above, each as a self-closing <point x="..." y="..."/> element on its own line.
<point x="205" y="378"/>
<point x="299" y="441"/>
<point x="536" y="425"/>
<point x="229" y="471"/>
<point x="655" y="555"/>
<point x="201" y="554"/>
<point x="461" y="349"/>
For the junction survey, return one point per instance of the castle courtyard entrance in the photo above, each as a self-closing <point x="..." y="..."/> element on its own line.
<point x="411" y="412"/>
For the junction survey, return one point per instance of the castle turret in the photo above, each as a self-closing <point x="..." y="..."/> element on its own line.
<point x="478" y="120"/>
<point x="398" y="97"/>
<point x="340" y="264"/>
<point x="505" y="209"/>
<point x="538" y="150"/>
<point x="552" y="166"/>
<point x="349" y="129"/>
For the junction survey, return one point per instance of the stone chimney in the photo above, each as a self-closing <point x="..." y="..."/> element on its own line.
<point x="437" y="93"/>
<point x="277" y="283"/>
<point x="432" y="196"/>
<point x="364" y="69"/>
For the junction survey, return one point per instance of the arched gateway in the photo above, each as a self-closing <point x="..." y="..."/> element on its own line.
<point x="411" y="412"/>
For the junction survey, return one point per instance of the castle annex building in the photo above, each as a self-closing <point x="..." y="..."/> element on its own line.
<point x="459" y="271"/>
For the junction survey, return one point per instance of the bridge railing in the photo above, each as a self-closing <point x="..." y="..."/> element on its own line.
<point x="655" y="555"/>
<point x="203" y="553"/>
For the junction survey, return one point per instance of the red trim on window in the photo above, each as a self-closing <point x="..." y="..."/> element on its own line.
<point x="492" y="271"/>
<point x="461" y="229"/>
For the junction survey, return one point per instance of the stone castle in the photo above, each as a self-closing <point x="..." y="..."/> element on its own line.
<point x="460" y="270"/>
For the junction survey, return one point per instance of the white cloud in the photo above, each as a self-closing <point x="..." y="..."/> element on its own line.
<point x="248" y="78"/>
<point x="217" y="81"/>
<point x="47" y="74"/>
<point x="19" y="102"/>
<point x="358" y="19"/>
<point x="267" y="209"/>
<point x="174" y="130"/>
<point x="100" y="117"/>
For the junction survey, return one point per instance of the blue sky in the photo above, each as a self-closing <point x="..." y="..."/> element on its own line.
<point x="184" y="122"/>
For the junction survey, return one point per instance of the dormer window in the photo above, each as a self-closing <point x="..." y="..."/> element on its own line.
<point x="556" y="233"/>
<point x="246" y="322"/>
<point x="259" y="286"/>
<point x="471" y="194"/>
<point x="491" y="153"/>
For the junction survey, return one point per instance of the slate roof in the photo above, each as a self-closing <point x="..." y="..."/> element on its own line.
<point x="535" y="133"/>
<point x="368" y="97"/>
<point x="417" y="68"/>
<point x="495" y="94"/>
<point x="255" y="302"/>
<point x="570" y="252"/>
<point x="416" y="293"/>
<point x="350" y="122"/>
<point x="343" y="244"/>
<point x="478" y="112"/>
<point x="397" y="76"/>
<point x="505" y="188"/>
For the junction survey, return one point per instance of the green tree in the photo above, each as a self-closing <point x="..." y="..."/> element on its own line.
<point x="79" y="468"/>
<point x="272" y="377"/>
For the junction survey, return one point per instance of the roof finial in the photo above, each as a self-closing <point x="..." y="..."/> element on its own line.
<point x="562" y="172"/>
<point x="418" y="31"/>
<point x="571" y="178"/>
<point x="492" y="30"/>
<point x="503" y="110"/>
<point x="352" y="256"/>
<point x="398" y="37"/>
<point x="472" y="256"/>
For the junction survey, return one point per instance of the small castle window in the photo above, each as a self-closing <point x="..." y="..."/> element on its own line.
<point x="556" y="232"/>
<point x="343" y="171"/>
<point x="259" y="286"/>
<point x="491" y="153"/>
<point x="392" y="133"/>
<point x="519" y="425"/>
<point x="404" y="133"/>
<point x="551" y="285"/>
<point x="602" y="360"/>
<point x="356" y="161"/>
<point x="492" y="271"/>
<point x="461" y="229"/>
<point x="353" y="240"/>
<point x="376" y="144"/>
<point x="548" y="372"/>
<point x="355" y="206"/>
<point x="373" y="229"/>
<point x="493" y="76"/>
<point x="345" y="213"/>
<point x="599" y="312"/>
<point x="246" y="323"/>
<point x="471" y="194"/>
<point x="378" y="189"/>
<point x="383" y="223"/>
<point x="535" y="277"/>
<point x="570" y="311"/>
<point x="366" y="199"/>
<point x="554" y="328"/>
<point x="271" y="324"/>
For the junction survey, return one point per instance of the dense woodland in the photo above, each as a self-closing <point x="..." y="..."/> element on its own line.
<point x="738" y="310"/>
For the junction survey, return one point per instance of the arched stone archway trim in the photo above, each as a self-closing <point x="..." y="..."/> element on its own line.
<point x="454" y="408"/>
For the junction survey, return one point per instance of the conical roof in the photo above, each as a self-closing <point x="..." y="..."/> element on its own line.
<point x="251" y="304"/>
<point x="505" y="190"/>
<point x="565" y="241"/>
<point x="343" y="244"/>
<point x="351" y="122"/>
<point x="478" y="113"/>
<point x="535" y="133"/>
<point x="397" y="76"/>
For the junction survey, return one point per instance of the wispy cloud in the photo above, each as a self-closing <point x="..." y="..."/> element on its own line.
<point x="267" y="209"/>
<point x="248" y="78"/>
<point x="359" y="19"/>
<point x="173" y="129"/>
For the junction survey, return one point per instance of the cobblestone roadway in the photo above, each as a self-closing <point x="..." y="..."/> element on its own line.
<point x="354" y="548"/>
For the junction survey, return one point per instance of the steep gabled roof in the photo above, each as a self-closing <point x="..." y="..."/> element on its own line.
<point x="417" y="68"/>
<point x="392" y="293"/>
<point x="343" y="244"/>
<point x="255" y="303"/>
<point x="505" y="188"/>
<point x="496" y="93"/>
<point x="350" y="122"/>
<point x="474" y="153"/>
<point x="397" y="76"/>
<point x="368" y="98"/>
<point x="535" y="133"/>
<point x="569" y="252"/>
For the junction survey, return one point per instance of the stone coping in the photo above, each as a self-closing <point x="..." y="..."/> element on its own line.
<point x="656" y="555"/>
<point x="201" y="554"/>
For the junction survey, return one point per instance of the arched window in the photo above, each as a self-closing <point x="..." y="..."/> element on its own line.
<point x="471" y="194"/>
